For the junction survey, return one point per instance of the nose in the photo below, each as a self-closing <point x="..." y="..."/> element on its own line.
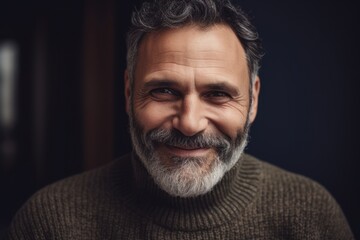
<point x="190" y="118"/>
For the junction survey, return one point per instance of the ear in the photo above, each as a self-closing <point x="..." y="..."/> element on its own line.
<point x="255" y="99"/>
<point x="127" y="90"/>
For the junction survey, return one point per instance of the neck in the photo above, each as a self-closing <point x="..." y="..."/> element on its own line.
<point x="235" y="190"/>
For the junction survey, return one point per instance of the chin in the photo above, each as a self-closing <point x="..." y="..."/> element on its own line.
<point x="187" y="179"/>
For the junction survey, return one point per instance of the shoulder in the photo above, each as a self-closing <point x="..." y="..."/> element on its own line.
<point x="88" y="183"/>
<point x="75" y="187"/>
<point x="278" y="180"/>
<point x="281" y="185"/>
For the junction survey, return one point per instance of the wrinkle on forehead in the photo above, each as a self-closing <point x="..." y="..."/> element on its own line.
<point x="192" y="50"/>
<point x="186" y="45"/>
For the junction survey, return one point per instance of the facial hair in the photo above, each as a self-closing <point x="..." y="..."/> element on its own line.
<point x="186" y="176"/>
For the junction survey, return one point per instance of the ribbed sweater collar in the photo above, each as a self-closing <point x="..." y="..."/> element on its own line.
<point x="227" y="199"/>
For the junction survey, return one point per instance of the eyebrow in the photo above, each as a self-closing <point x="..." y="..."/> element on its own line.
<point x="223" y="86"/>
<point x="217" y="86"/>
<point x="160" y="83"/>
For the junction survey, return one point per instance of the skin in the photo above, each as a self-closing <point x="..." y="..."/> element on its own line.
<point x="194" y="80"/>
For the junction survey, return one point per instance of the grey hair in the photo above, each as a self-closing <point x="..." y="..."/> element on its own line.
<point x="166" y="14"/>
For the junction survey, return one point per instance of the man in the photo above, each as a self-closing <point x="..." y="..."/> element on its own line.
<point x="191" y="88"/>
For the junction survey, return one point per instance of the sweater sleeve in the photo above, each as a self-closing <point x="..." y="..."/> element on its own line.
<point x="68" y="209"/>
<point x="300" y="208"/>
<point x="30" y="222"/>
<point x="335" y="223"/>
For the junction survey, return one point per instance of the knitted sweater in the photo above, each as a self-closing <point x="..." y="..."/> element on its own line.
<point x="254" y="200"/>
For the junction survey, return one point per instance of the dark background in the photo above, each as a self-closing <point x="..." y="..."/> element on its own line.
<point x="70" y="105"/>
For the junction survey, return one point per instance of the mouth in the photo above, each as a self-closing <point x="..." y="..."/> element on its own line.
<point x="184" y="151"/>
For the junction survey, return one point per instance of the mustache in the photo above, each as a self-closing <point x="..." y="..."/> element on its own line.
<point x="175" y="138"/>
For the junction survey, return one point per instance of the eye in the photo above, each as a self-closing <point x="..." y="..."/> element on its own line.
<point x="164" y="94"/>
<point x="218" y="97"/>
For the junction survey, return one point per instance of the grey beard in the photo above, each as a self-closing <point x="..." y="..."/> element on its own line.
<point x="187" y="178"/>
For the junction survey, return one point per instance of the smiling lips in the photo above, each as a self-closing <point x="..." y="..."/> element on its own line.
<point x="186" y="151"/>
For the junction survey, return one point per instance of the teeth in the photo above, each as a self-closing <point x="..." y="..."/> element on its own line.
<point x="187" y="148"/>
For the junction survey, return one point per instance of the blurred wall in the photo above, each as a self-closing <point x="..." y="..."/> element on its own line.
<point x="45" y="140"/>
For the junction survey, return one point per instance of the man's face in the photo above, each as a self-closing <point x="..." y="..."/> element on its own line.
<point x="189" y="106"/>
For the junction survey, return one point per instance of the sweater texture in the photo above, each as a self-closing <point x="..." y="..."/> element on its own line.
<point x="254" y="200"/>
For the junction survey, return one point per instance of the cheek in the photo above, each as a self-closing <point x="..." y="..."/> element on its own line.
<point x="230" y="121"/>
<point x="153" y="115"/>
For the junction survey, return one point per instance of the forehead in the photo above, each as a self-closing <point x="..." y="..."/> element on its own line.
<point x="214" y="49"/>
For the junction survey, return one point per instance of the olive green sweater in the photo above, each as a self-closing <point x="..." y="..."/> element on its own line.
<point x="254" y="200"/>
